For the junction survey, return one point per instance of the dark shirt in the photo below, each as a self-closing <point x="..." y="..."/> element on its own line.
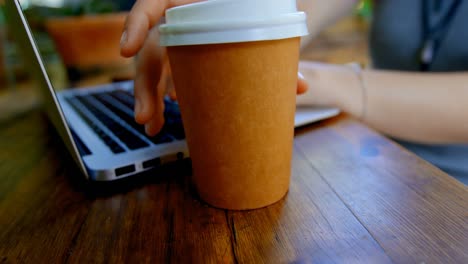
<point x="396" y="40"/>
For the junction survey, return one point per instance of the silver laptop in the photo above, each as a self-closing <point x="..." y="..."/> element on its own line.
<point x="97" y="123"/>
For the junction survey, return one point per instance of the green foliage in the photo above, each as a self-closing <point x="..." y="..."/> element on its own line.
<point x="38" y="14"/>
<point x="364" y="9"/>
<point x="84" y="7"/>
<point x="89" y="7"/>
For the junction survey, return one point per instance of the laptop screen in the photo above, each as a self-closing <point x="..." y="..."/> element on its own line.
<point x="79" y="44"/>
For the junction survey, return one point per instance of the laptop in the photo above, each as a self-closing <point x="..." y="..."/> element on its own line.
<point x="97" y="124"/>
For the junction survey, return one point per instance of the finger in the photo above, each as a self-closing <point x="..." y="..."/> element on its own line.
<point x="302" y="85"/>
<point x="144" y="106"/>
<point x="305" y="97"/>
<point x="170" y="89"/>
<point x="157" y="120"/>
<point x="156" y="123"/>
<point x="143" y="16"/>
<point x="172" y="94"/>
<point x="148" y="73"/>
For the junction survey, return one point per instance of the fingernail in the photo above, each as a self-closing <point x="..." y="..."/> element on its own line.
<point x="299" y="74"/>
<point x="147" y="129"/>
<point x="124" y="38"/>
<point x="137" y="107"/>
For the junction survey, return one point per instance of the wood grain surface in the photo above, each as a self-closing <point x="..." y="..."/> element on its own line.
<point x="355" y="197"/>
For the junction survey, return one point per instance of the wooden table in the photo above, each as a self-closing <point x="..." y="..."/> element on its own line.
<point x="355" y="197"/>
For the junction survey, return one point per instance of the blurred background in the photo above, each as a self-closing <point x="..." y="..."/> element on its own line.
<point x="79" y="42"/>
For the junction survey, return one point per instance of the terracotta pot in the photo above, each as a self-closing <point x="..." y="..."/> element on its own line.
<point x="89" y="40"/>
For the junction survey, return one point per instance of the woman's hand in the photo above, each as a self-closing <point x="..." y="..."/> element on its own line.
<point x="332" y="85"/>
<point x="153" y="75"/>
<point x="152" y="81"/>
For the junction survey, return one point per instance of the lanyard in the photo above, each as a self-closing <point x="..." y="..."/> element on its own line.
<point x="433" y="34"/>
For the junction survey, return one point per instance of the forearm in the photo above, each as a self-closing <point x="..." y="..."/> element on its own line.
<point x="321" y="14"/>
<point x="422" y="107"/>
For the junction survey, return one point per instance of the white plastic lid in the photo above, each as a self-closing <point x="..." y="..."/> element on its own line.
<point x="228" y="21"/>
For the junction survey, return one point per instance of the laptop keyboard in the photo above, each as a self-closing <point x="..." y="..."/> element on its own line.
<point x="114" y="111"/>
<point x="112" y="144"/>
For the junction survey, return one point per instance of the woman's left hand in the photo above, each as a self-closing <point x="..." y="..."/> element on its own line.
<point x="332" y="85"/>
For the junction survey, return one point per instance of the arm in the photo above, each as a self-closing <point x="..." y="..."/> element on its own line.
<point x="321" y="14"/>
<point x="421" y="107"/>
<point x="426" y="107"/>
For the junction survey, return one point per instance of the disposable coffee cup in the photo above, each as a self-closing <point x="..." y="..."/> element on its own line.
<point x="234" y="65"/>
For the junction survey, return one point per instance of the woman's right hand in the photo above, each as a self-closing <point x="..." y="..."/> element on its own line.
<point x="153" y="79"/>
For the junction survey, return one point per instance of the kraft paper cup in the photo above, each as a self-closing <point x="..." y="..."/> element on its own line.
<point x="237" y="101"/>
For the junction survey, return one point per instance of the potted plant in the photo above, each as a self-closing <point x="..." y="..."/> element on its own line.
<point x="87" y="33"/>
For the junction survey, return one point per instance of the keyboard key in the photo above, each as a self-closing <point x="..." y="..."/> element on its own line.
<point x="82" y="148"/>
<point x="112" y="144"/>
<point x="127" y="116"/>
<point x="173" y="125"/>
<point x="124" y="98"/>
<point x="128" y="138"/>
<point x="173" y="119"/>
